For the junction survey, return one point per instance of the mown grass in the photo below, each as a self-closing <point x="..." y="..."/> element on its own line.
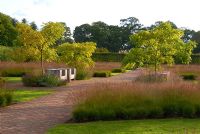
<point x="13" y="79"/>
<point x="27" y="95"/>
<point x="159" y="126"/>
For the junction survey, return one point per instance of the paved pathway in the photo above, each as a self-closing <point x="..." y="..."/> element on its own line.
<point x="37" y="116"/>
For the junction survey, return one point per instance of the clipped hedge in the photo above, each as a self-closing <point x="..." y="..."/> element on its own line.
<point x="118" y="70"/>
<point x="189" y="76"/>
<point x="102" y="74"/>
<point x="108" y="57"/>
<point x="118" y="57"/>
<point x="195" y="59"/>
<point x="13" y="72"/>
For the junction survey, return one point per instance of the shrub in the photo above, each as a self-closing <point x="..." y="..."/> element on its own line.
<point x="115" y="101"/>
<point x="152" y="78"/>
<point x="189" y="76"/>
<point x="82" y="75"/>
<point x="2" y="82"/>
<point x="118" y="70"/>
<point x="5" y="53"/>
<point x="102" y="74"/>
<point x="6" y="97"/>
<point x="42" y="81"/>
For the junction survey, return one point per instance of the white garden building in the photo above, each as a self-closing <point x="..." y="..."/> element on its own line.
<point x="66" y="74"/>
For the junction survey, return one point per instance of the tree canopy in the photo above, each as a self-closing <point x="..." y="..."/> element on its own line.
<point x="38" y="43"/>
<point x="8" y="32"/>
<point x="77" y="54"/>
<point x="159" y="45"/>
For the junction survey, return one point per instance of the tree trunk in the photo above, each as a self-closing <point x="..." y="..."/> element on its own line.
<point x="41" y="62"/>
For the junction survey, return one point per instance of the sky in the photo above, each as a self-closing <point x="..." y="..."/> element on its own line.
<point x="184" y="13"/>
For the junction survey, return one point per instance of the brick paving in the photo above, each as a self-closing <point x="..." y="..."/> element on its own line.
<point x="37" y="116"/>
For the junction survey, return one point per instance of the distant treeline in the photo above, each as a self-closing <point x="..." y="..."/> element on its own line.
<point x="114" y="38"/>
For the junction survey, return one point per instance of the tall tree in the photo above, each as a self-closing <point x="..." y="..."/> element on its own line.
<point x="82" y="33"/>
<point x="157" y="23"/>
<point x="33" y="26"/>
<point x="67" y="36"/>
<point x="100" y="32"/>
<point x="24" y="20"/>
<point x="188" y="34"/>
<point x="132" y="24"/>
<point x="8" y="32"/>
<point x="196" y="38"/>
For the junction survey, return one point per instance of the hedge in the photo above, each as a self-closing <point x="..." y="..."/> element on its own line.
<point x="102" y="74"/>
<point x="118" y="57"/>
<point x="108" y="57"/>
<point x="195" y="59"/>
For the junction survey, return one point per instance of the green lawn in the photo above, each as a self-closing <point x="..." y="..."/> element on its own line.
<point x="13" y="79"/>
<point x="159" y="126"/>
<point x="27" y="95"/>
<point x="114" y="74"/>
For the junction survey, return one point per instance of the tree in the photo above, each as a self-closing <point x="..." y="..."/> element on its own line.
<point x="83" y="33"/>
<point x="39" y="43"/>
<point x="159" y="45"/>
<point x="117" y="38"/>
<point x="196" y="38"/>
<point x="188" y="34"/>
<point x="33" y="26"/>
<point x="77" y="55"/>
<point x="67" y="36"/>
<point x="8" y="32"/>
<point x="132" y="24"/>
<point x="24" y="20"/>
<point x="157" y="23"/>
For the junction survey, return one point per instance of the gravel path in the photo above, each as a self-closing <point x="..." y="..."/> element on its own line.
<point x="37" y="116"/>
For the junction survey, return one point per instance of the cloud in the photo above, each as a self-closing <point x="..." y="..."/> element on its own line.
<point x="19" y="13"/>
<point x="41" y="2"/>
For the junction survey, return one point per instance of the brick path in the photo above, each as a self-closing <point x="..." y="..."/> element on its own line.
<point x="37" y="116"/>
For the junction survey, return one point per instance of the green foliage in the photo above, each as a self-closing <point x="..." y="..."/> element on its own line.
<point x="118" y="70"/>
<point x="108" y="57"/>
<point x="101" y="50"/>
<point x="159" y="45"/>
<point x="106" y="36"/>
<point x="102" y="74"/>
<point x="195" y="59"/>
<point x="196" y="38"/>
<point x="41" y="81"/>
<point x="13" y="72"/>
<point x="129" y="66"/>
<point x="5" y="53"/>
<point x="37" y="44"/>
<point x="6" y="97"/>
<point x="189" y="76"/>
<point x="115" y="104"/>
<point x="82" y="74"/>
<point x="77" y="55"/>
<point x="8" y="32"/>
<point x="2" y="82"/>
